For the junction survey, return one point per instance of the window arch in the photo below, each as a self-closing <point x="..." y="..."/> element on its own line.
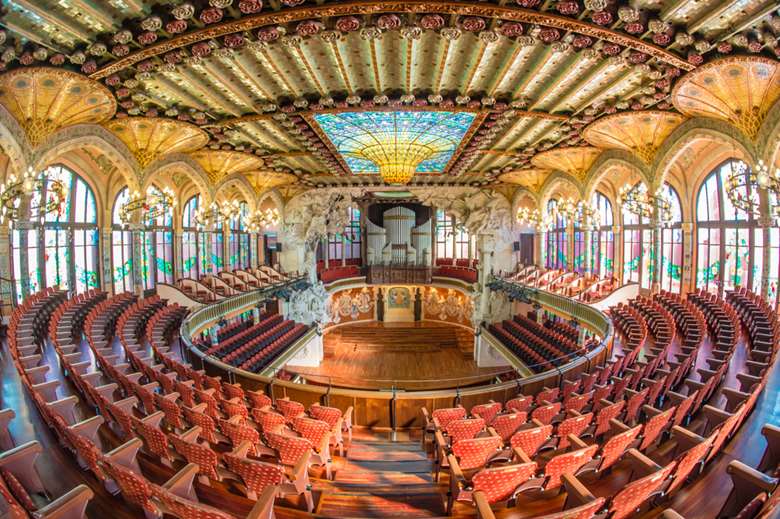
<point x="729" y="240"/>
<point x="121" y="247"/>
<point x="603" y="238"/>
<point x="238" y="242"/>
<point x="191" y="240"/>
<point x="62" y="249"/>
<point x="557" y="240"/>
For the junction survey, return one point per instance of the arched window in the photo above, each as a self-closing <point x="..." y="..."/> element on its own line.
<point x="672" y="245"/>
<point x="238" y="242"/>
<point x="346" y="245"/>
<point x="637" y="247"/>
<point x="774" y="252"/>
<point x="121" y="247"/>
<point x="191" y="240"/>
<point x="603" y="238"/>
<point x="157" y="243"/>
<point x="217" y="252"/>
<point x="729" y="241"/>
<point x="62" y="250"/>
<point x="557" y="240"/>
<point x="453" y="240"/>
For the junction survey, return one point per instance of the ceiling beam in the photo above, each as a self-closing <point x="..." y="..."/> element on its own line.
<point x="55" y="20"/>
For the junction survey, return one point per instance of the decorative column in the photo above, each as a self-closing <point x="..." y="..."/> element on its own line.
<point x="617" y="240"/>
<point x="24" y="268"/>
<point x="5" y="266"/>
<point x="325" y="251"/>
<point x="487" y="244"/>
<point x="227" y="233"/>
<point x="343" y="250"/>
<point x="108" y="275"/>
<point x="137" y="255"/>
<point x="765" y="222"/>
<point x="178" y="248"/>
<point x="570" y="244"/>
<point x="254" y="250"/>
<point x="433" y="237"/>
<point x="588" y="235"/>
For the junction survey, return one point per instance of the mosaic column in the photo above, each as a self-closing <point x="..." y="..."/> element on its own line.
<point x="657" y="249"/>
<point x="254" y="255"/>
<point x="588" y="235"/>
<point x="486" y="246"/>
<point x="540" y="251"/>
<point x="107" y="277"/>
<point x="138" y="251"/>
<point x="765" y="222"/>
<point x="689" y="269"/>
<point x="178" y="247"/>
<point x="617" y="240"/>
<point x="24" y="268"/>
<point x="570" y="245"/>
<point x="5" y="266"/>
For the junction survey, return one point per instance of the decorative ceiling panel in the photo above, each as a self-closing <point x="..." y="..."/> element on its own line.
<point x="149" y="138"/>
<point x="641" y="133"/>
<point x="575" y="161"/>
<point x="219" y="163"/>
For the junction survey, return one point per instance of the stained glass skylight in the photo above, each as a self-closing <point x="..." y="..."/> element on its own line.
<point x="373" y="142"/>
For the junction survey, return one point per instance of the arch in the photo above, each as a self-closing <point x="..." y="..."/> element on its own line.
<point x="240" y="182"/>
<point x="14" y="142"/>
<point x="520" y="195"/>
<point x="182" y="163"/>
<point x="690" y="132"/>
<point x="607" y="162"/>
<point x="276" y="197"/>
<point x="552" y="182"/>
<point x="93" y="136"/>
<point x="768" y="139"/>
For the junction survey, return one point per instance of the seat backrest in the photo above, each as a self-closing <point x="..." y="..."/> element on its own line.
<point x="688" y="460"/>
<point x="185" y="509"/>
<point x="654" y="426"/>
<point x="311" y="429"/>
<point x="329" y="415"/>
<point x="575" y="425"/>
<point x="464" y="429"/>
<point x="585" y="511"/>
<point x="614" y="448"/>
<point x="567" y="463"/>
<point x="135" y="488"/>
<point x="626" y="502"/>
<point x="290" y="449"/>
<point x="202" y="456"/>
<point x="499" y="483"/>
<point x="475" y="452"/>
<point x="486" y="411"/>
<point x="445" y="416"/>
<point x="546" y="413"/>
<point x="290" y="408"/>
<point x="238" y="433"/>
<point x="156" y="440"/>
<point x="506" y="424"/>
<point x="530" y="440"/>
<point x="520" y="403"/>
<point x="257" y="475"/>
<point x="268" y="421"/>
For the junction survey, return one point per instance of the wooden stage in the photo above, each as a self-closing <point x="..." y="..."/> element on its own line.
<point x="375" y="355"/>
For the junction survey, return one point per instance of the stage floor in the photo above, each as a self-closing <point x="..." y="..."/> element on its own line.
<point x="374" y="355"/>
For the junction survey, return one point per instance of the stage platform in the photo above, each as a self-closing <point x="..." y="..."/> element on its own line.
<point x="412" y="356"/>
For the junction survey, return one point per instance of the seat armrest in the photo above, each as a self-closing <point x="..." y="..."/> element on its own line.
<point x="641" y="463"/>
<point x="182" y="483"/>
<point x="264" y="507"/>
<point x="521" y="455"/>
<point x="576" y="491"/>
<point x="71" y="505"/>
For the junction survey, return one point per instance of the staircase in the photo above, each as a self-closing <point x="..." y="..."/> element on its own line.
<point x="381" y="478"/>
<point x="402" y="338"/>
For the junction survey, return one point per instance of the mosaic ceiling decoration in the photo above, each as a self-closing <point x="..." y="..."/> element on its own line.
<point x="576" y="161"/>
<point x="43" y="100"/>
<point x="151" y="138"/>
<point x="737" y="90"/>
<point x="219" y="163"/>
<point x="641" y="133"/>
<point x="416" y="142"/>
<point x="256" y="75"/>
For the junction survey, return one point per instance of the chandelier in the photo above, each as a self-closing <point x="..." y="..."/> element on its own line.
<point x="737" y="187"/>
<point x="263" y="219"/>
<point x="638" y="201"/>
<point x="587" y="216"/>
<point x="217" y="212"/>
<point x="30" y="182"/>
<point x="152" y="205"/>
<point x="397" y="159"/>
<point x="533" y="218"/>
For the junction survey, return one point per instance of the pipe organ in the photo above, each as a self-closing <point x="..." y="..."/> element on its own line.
<point x="399" y="241"/>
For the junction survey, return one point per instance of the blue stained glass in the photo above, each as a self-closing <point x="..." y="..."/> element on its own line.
<point x="352" y="132"/>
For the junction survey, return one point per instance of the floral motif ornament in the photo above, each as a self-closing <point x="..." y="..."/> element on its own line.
<point x="347" y="8"/>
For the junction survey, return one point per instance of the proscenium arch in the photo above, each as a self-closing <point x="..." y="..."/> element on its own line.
<point x="692" y="130"/>
<point x="240" y="182"/>
<point x="85" y="136"/>
<point x="607" y="162"/>
<point x="180" y="162"/>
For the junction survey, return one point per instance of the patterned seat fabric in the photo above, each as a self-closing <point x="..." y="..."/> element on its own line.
<point x="208" y="429"/>
<point x="476" y="452"/>
<point x="186" y="393"/>
<point x="311" y="429"/>
<point x="135" y="489"/>
<point x="614" y="448"/>
<point x="654" y="426"/>
<point x="626" y="502"/>
<point x="290" y="408"/>
<point x="506" y="424"/>
<point x="233" y="391"/>
<point x="585" y="511"/>
<point x="256" y="474"/>
<point x="205" y="458"/>
<point x="212" y="406"/>
<point x="268" y="420"/>
<point x="687" y="461"/>
<point x="546" y="413"/>
<point x="290" y="449"/>
<point x="464" y="429"/>
<point x="521" y="403"/>
<point x="235" y="408"/>
<point x="605" y="415"/>
<point x="238" y="433"/>
<point x="329" y="415"/>
<point x="500" y="483"/>
<point x="575" y="425"/>
<point x="258" y="400"/>
<point x="567" y="463"/>
<point x="186" y="509"/>
<point x="171" y="409"/>
<point x="18" y="490"/>
<point x="486" y="411"/>
<point x="445" y="416"/>
<point x="156" y="440"/>
<point x="14" y="509"/>
<point x="577" y="402"/>
<point x="530" y="440"/>
<point x="547" y="395"/>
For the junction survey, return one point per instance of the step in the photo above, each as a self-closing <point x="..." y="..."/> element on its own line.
<point x="403" y="504"/>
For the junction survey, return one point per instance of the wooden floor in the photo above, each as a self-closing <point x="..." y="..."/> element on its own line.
<point x="375" y="355"/>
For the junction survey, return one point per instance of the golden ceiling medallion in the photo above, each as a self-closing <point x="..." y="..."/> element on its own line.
<point x="738" y="89"/>
<point x="44" y="100"/>
<point x="220" y="163"/>
<point x="575" y="160"/>
<point x="640" y="133"/>
<point x="529" y="178"/>
<point x="264" y="180"/>
<point x="150" y="138"/>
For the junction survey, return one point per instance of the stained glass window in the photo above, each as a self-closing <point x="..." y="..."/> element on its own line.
<point x="238" y="242"/>
<point x="638" y="250"/>
<point x="157" y="247"/>
<point x="365" y="139"/>
<point x="445" y="231"/>
<point x="672" y="245"/>
<point x="190" y="238"/>
<point x="603" y="239"/>
<point x="216" y="253"/>
<point x="62" y="248"/>
<point x="346" y="245"/>
<point x="729" y="241"/>
<point x="557" y="239"/>
<point x="121" y="248"/>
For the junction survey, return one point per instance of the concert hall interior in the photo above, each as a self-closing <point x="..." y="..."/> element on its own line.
<point x="345" y="259"/>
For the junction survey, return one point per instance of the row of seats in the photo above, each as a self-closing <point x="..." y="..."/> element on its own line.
<point x="336" y="273"/>
<point x="467" y="274"/>
<point x="235" y="340"/>
<point x="457" y="262"/>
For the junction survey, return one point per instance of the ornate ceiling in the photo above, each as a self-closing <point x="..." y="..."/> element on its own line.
<point x="255" y="76"/>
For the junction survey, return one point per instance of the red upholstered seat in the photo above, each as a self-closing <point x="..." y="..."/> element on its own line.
<point x="458" y="430"/>
<point x="289" y="448"/>
<point x="135" y="488"/>
<point x="506" y="424"/>
<point x="202" y="456"/>
<point x="329" y="415"/>
<point x="499" y="483"/>
<point x="290" y="409"/>
<point x="474" y="453"/>
<point x="520" y="403"/>
<point x="531" y="440"/>
<point x="445" y="416"/>
<point x="487" y="411"/>
<point x="256" y="475"/>
<point x="633" y="495"/>
<point x="546" y="413"/>
<point x="567" y="463"/>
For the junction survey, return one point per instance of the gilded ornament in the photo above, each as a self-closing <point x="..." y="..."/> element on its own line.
<point x="370" y="33"/>
<point x="488" y="37"/>
<point x="123" y="37"/>
<point x="595" y="5"/>
<point x="78" y="57"/>
<point x="411" y="33"/>
<point x="451" y="33"/>
<point x="221" y="4"/>
<point x="628" y="14"/>
<point x="153" y="23"/>
<point x="41" y="54"/>
<point x="330" y="36"/>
